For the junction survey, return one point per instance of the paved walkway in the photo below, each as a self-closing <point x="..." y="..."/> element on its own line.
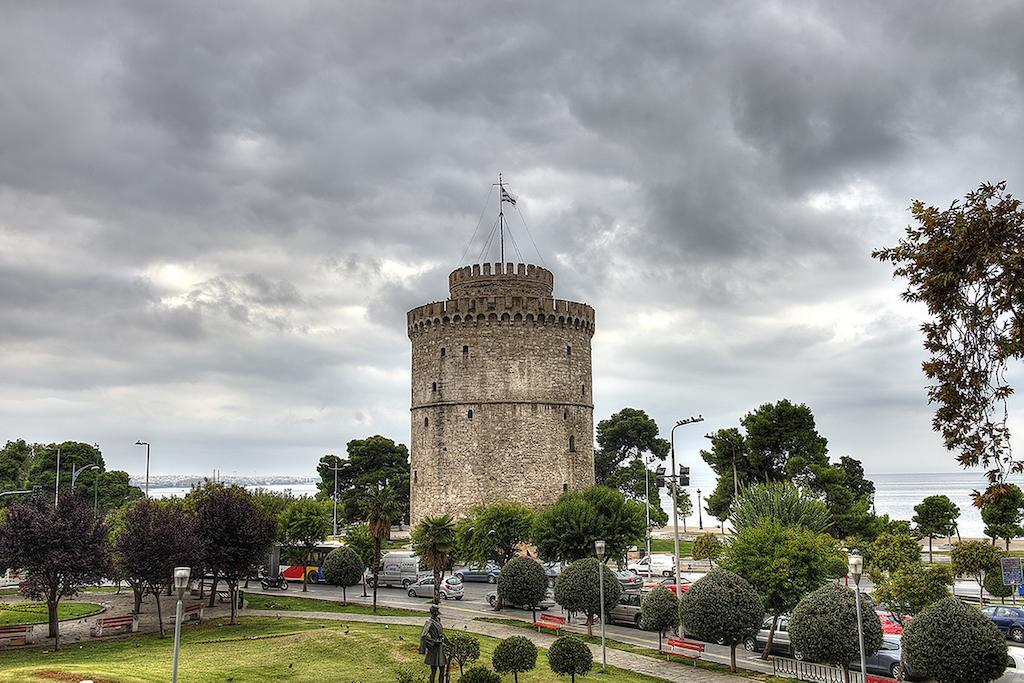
<point x="659" y="668"/>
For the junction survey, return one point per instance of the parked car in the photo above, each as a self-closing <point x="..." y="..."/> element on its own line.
<point x="890" y="626"/>
<point x="629" y="580"/>
<point x="659" y="565"/>
<point x="668" y="582"/>
<point x="547" y="603"/>
<point x="553" y="570"/>
<point x="484" y="573"/>
<point x="1014" y="667"/>
<point x="886" y="661"/>
<point x="451" y="588"/>
<point x="780" y="641"/>
<point x="1009" y="620"/>
<point x="627" y="611"/>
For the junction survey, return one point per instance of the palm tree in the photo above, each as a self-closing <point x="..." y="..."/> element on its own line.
<point x="433" y="540"/>
<point x="381" y="508"/>
<point x="782" y="502"/>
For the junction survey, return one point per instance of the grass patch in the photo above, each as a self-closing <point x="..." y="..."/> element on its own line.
<point x="295" y="604"/>
<point x="105" y="589"/>
<point x="257" y="649"/>
<point x="16" y="613"/>
<point x="667" y="545"/>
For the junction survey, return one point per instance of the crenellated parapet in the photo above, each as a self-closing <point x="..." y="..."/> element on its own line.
<point x="513" y="279"/>
<point x="503" y="310"/>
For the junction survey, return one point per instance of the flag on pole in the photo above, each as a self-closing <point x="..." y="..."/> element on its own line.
<point x="506" y="197"/>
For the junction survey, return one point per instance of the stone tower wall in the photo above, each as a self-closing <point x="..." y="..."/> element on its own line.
<point x="502" y="405"/>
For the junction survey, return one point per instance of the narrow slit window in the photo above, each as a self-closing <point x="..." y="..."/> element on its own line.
<point x="465" y="350"/>
<point x="469" y="413"/>
<point x="583" y="390"/>
<point x="433" y="387"/>
<point x="442" y="352"/>
<point x="572" y="444"/>
<point x="426" y="422"/>
<point x="414" y="476"/>
<point x="568" y="351"/>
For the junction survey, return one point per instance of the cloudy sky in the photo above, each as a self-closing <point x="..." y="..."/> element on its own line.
<point x="213" y="216"/>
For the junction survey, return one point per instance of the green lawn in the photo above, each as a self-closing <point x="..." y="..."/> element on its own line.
<point x="667" y="545"/>
<point x="258" y="649"/>
<point x="12" y="613"/>
<point x="289" y="602"/>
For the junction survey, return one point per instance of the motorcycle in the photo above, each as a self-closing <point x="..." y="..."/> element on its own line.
<point x="274" y="582"/>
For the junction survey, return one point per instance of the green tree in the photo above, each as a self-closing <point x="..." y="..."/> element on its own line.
<point x="570" y="655"/>
<point x="373" y="462"/>
<point x="975" y="559"/>
<point x="567" y="530"/>
<point x="893" y="550"/>
<point x="781" y="502"/>
<point x="847" y="496"/>
<point x="113" y="489"/>
<point x="1002" y="513"/>
<point x="911" y="588"/>
<point x="935" y="516"/>
<point x="343" y="567"/>
<point x="461" y="648"/>
<point x="494" y="531"/>
<point x="659" y="611"/>
<point x="626" y="441"/>
<point x="479" y="674"/>
<point x="721" y="607"/>
<point x="523" y="582"/>
<point x="964" y="264"/>
<point x="707" y="547"/>
<point x="305" y="522"/>
<point x="577" y="589"/>
<point x="15" y="461"/>
<point x="783" y="563"/>
<point x="358" y="538"/>
<point x="954" y="643"/>
<point x="684" y="504"/>
<point x="433" y="540"/>
<point x="381" y="509"/>
<point x="823" y="627"/>
<point x="995" y="587"/>
<point x="514" y="655"/>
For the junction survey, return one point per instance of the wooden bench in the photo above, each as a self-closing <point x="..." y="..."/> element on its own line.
<point x="16" y="635"/>
<point x="130" y="622"/>
<point x="550" y="621"/>
<point x="193" y="612"/>
<point x="683" y="648"/>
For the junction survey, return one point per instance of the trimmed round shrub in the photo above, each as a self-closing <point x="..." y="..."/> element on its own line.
<point x="514" y="655"/>
<point x="659" y="610"/>
<point x="954" y="643"/>
<point x="570" y="655"/>
<point x="479" y="674"/>
<point x="576" y="589"/>
<point x="994" y="585"/>
<point x="343" y="567"/>
<point x="722" y="607"/>
<point x="522" y="582"/>
<point x="707" y="547"/>
<point x="461" y="648"/>
<point x="823" y="626"/>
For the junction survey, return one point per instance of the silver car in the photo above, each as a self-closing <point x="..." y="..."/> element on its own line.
<point x="451" y="588"/>
<point x="627" y="611"/>
<point x="780" y="642"/>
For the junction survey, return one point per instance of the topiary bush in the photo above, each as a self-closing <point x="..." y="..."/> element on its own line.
<point x="570" y="655"/>
<point x="994" y="586"/>
<point x="479" y="674"/>
<point x="823" y="626"/>
<point x="954" y="643"/>
<point x="461" y="648"/>
<point x="722" y="607"/>
<point x="576" y="589"/>
<point x="514" y="655"/>
<point x="343" y="567"/>
<point x="522" y="582"/>
<point x="707" y="547"/>
<point x="659" y="611"/>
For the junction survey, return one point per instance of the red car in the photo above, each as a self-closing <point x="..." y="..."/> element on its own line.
<point x="668" y="582"/>
<point x="890" y="626"/>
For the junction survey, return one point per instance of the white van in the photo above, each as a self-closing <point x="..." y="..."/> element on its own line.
<point x="659" y="564"/>
<point x="399" y="568"/>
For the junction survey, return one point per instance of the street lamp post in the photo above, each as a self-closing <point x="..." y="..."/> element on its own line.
<point x="13" y="493"/>
<point x="181" y="577"/>
<point x="855" y="565"/>
<point x="700" y="516"/>
<point x="334" y="467"/>
<point x="599" y="546"/>
<point x="146" y="444"/>
<point x="56" y="486"/>
<point x="647" y="495"/>
<point x="675" y="493"/>
<point x="77" y="471"/>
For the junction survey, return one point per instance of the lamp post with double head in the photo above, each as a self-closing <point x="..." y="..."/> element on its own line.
<point x="181" y="577"/>
<point x="146" y="444"/>
<point x="335" y="467"/>
<point x="599" y="547"/>
<point x="855" y="565"/>
<point x="700" y="516"/>
<point x="675" y="494"/>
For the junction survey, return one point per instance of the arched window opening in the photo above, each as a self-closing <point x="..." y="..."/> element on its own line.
<point x="469" y="414"/>
<point x="572" y="444"/>
<point x="465" y="350"/>
<point x="433" y="387"/>
<point x="568" y="351"/>
<point x="426" y="422"/>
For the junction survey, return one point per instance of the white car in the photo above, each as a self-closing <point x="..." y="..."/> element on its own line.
<point x="658" y="564"/>
<point x="1014" y="667"/>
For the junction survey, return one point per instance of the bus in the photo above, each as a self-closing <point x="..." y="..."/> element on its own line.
<point x="313" y="568"/>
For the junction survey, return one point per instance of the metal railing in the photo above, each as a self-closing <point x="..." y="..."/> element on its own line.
<point x="811" y="671"/>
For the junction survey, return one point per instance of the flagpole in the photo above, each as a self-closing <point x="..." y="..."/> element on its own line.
<point x="501" y="218"/>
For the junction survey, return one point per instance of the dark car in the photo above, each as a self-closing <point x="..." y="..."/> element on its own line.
<point x="886" y="661"/>
<point x="1009" y="620"/>
<point x="484" y="573"/>
<point x="629" y="580"/>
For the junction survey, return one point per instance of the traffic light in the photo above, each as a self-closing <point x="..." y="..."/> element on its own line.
<point x="659" y="476"/>
<point x="684" y="476"/>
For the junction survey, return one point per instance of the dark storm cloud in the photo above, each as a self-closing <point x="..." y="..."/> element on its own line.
<point x="213" y="218"/>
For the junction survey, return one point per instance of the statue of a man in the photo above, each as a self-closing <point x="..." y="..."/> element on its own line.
<point x="432" y="645"/>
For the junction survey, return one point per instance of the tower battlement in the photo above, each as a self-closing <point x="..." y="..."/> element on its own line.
<point x="507" y="310"/>
<point x="512" y="279"/>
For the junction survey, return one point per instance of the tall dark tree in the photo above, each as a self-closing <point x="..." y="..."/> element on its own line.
<point x="381" y="509"/>
<point x="566" y="531"/>
<point x="375" y="461"/>
<point x="235" y="536"/>
<point x="493" y="532"/>
<point x="625" y="442"/>
<point x="1003" y="514"/>
<point x="15" y="461"/>
<point x="935" y="516"/>
<point x="847" y="495"/>
<point x="964" y="263"/>
<point x="59" y="550"/>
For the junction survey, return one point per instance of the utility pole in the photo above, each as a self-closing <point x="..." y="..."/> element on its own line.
<point x="146" y="444"/>
<point x="334" y="467"/>
<point x="56" y="486"/>
<point x="675" y="496"/>
<point x="700" y="517"/>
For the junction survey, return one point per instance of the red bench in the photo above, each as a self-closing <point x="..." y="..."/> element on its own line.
<point x="130" y="622"/>
<point x="683" y="648"/>
<point x="16" y="635"/>
<point x="191" y="613"/>
<point x="550" y="621"/>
